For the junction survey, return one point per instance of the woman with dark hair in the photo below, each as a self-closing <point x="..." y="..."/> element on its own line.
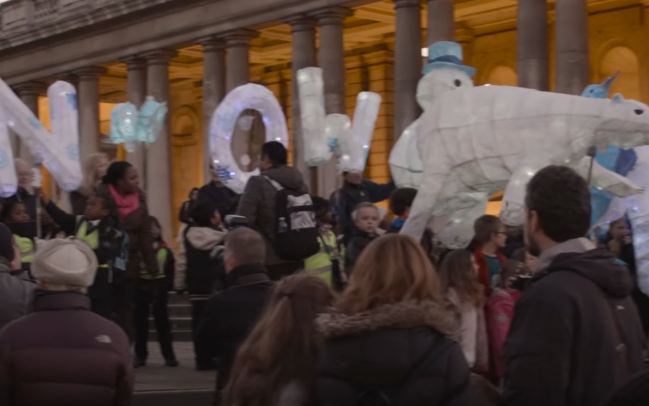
<point x="186" y="208"/>
<point x="120" y="186"/>
<point x="276" y="364"/>
<point x="459" y="281"/>
<point x="389" y="337"/>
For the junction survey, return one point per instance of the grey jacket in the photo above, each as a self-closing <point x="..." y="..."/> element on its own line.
<point x="16" y="295"/>
<point x="257" y="204"/>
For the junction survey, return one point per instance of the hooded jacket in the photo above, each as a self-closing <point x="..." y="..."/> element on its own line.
<point x="63" y="354"/>
<point x="199" y="263"/>
<point x="395" y="354"/>
<point x="257" y="204"/>
<point x="576" y="335"/>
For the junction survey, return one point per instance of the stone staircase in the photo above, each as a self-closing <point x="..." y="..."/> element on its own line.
<point x="180" y="314"/>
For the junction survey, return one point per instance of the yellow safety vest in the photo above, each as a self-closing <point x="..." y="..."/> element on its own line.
<point x="320" y="263"/>
<point x="26" y="248"/>
<point x="92" y="238"/>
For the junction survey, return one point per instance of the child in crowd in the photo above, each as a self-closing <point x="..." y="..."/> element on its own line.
<point x="490" y="238"/>
<point x="152" y="292"/>
<point x="500" y="312"/>
<point x="326" y="263"/>
<point x="459" y="281"/>
<point x="200" y="267"/>
<point x="100" y="231"/>
<point x="14" y="214"/>
<point x="366" y="219"/>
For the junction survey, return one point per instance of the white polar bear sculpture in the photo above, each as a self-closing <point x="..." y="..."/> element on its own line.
<point x="478" y="140"/>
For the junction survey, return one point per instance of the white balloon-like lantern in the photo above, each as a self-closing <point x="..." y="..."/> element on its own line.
<point x="130" y="126"/>
<point x="59" y="151"/>
<point x="325" y="134"/>
<point x="224" y="120"/>
<point x="318" y="149"/>
<point x="8" y="180"/>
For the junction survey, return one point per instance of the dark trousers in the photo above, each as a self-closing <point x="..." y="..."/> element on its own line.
<point x="279" y="271"/>
<point x="152" y="296"/>
<point x="198" y="307"/>
<point x="101" y="294"/>
<point x="124" y="291"/>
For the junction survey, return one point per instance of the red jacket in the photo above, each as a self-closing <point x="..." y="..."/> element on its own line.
<point x="63" y="354"/>
<point x="483" y="268"/>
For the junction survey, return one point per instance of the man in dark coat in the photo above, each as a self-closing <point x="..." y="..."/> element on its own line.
<point x="62" y="353"/>
<point x="220" y="195"/>
<point x="356" y="190"/>
<point x="257" y="203"/>
<point x="231" y="314"/>
<point x="576" y="335"/>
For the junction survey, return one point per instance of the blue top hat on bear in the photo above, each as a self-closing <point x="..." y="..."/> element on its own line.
<point x="446" y="54"/>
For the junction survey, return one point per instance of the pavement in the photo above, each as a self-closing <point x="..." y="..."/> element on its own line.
<point x="158" y="385"/>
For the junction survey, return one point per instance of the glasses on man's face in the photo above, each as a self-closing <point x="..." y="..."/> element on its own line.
<point x="501" y="232"/>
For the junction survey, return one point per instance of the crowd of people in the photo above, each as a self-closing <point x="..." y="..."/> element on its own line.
<point x="302" y="300"/>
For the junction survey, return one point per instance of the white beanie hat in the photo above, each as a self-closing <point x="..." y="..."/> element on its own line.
<point x="65" y="263"/>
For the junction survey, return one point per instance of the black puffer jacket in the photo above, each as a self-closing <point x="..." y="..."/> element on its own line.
<point x="396" y="354"/>
<point x="576" y="335"/>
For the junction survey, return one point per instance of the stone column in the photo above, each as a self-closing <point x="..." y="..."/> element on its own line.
<point x="136" y="89"/>
<point x="88" y="97"/>
<point x="331" y="55"/>
<point x="158" y="156"/>
<point x="213" y="90"/>
<point x="28" y="93"/>
<point x="407" y="64"/>
<point x="572" y="46"/>
<point x="532" y="44"/>
<point x="237" y="71"/>
<point x="441" y="22"/>
<point x="304" y="55"/>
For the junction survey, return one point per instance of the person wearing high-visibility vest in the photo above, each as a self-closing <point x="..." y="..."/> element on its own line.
<point x="14" y="214"/>
<point x="100" y="231"/>
<point x="327" y="263"/>
<point x="152" y="297"/>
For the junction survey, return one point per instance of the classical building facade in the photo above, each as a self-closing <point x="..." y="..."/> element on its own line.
<point x="190" y="53"/>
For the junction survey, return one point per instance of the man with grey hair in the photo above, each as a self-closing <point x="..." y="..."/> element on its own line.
<point x="231" y="314"/>
<point x="62" y="353"/>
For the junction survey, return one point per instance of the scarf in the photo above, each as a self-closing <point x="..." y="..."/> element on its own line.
<point x="125" y="204"/>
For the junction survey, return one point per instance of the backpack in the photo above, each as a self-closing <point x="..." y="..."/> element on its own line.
<point x="296" y="231"/>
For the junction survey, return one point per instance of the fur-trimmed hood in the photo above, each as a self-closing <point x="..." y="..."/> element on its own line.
<point x="407" y="314"/>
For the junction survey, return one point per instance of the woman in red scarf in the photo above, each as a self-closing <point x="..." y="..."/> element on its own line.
<point x="121" y="186"/>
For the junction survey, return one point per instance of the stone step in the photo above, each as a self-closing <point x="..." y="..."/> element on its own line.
<point x="173" y="398"/>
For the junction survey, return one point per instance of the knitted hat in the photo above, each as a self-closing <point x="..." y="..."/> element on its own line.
<point x="6" y="243"/>
<point x="65" y="263"/>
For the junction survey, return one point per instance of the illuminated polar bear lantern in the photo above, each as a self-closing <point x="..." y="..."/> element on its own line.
<point x="472" y="141"/>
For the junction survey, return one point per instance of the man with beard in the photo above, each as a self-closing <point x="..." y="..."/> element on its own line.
<point x="576" y="336"/>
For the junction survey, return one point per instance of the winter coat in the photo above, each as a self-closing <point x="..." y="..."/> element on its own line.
<point x="576" y="335"/>
<point x="62" y="354"/>
<point x="500" y="312"/>
<point x="395" y="354"/>
<point x="16" y="295"/>
<point x="137" y="226"/>
<point x="257" y="204"/>
<point x="200" y="267"/>
<point x="473" y="332"/>
<point x="224" y="198"/>
<point x="345" y="200"/>
<point x="230" y="315"/>
<point x="356" y="245"/>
